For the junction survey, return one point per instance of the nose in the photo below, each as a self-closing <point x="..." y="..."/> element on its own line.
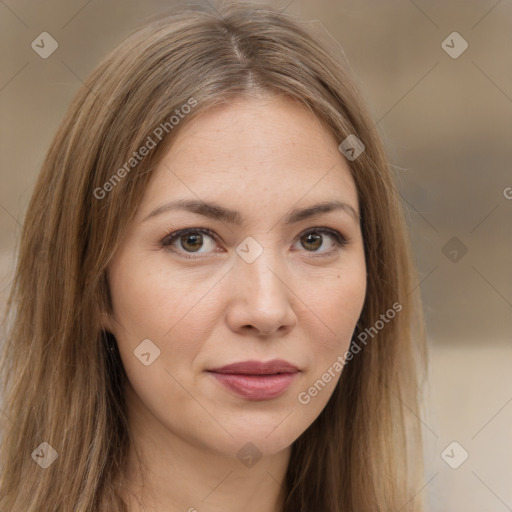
<point x="261" y="297"/>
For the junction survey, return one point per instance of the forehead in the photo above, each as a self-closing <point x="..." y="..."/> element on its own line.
<point x="271" y="150"/>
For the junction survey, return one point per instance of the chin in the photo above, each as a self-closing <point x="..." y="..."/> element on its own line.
<point x="265" y="437"/>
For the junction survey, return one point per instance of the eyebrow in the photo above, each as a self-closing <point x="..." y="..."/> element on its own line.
<point x="215" y="211"/>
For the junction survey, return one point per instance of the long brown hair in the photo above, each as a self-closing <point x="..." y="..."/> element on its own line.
<point x="63" y="386"/>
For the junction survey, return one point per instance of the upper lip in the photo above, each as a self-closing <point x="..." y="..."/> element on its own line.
<point x="258" y="367"/>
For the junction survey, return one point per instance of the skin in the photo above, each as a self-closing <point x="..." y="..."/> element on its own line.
<point x="299" y="300"/>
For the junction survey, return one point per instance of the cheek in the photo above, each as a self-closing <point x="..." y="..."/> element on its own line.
<point x="152" y="302"/>
<point x="144" y="302"/>
<point x="337" y="311"/>
<point x="338" y="306"/>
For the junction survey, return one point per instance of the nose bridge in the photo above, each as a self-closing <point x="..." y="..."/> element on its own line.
<point x="263" y="281"/>
<point x="260" y="294"/>
<point x="262" y="276"/>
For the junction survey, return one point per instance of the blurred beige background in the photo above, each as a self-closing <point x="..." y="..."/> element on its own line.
<point x="445" y="113"/>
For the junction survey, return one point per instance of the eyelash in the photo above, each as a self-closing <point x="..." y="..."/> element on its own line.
<point x="339" y="239"/>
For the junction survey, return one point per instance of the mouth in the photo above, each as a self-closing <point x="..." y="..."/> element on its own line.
<point x="255" y="380"/>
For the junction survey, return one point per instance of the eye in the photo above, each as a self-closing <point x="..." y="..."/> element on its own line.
<point x="314" y="239"/>
<point x="191" y="241"/>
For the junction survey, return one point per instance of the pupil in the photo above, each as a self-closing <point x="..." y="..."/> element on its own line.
<point x="318" y="239"/>
<point x="189" y="237"/>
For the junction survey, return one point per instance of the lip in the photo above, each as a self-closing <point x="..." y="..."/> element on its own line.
<point x="258" y="367"/>
<point x="256" y="380"/>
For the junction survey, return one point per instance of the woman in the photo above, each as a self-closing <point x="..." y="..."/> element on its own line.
<point x="276" y="369"/>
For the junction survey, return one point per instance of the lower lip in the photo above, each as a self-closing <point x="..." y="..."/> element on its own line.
<point x="256" y="387"/>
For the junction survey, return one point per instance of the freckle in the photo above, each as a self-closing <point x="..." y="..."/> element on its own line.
<point x="338" y="276"/>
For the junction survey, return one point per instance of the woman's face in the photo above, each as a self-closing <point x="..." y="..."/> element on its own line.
<point x="260" y="285"/>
